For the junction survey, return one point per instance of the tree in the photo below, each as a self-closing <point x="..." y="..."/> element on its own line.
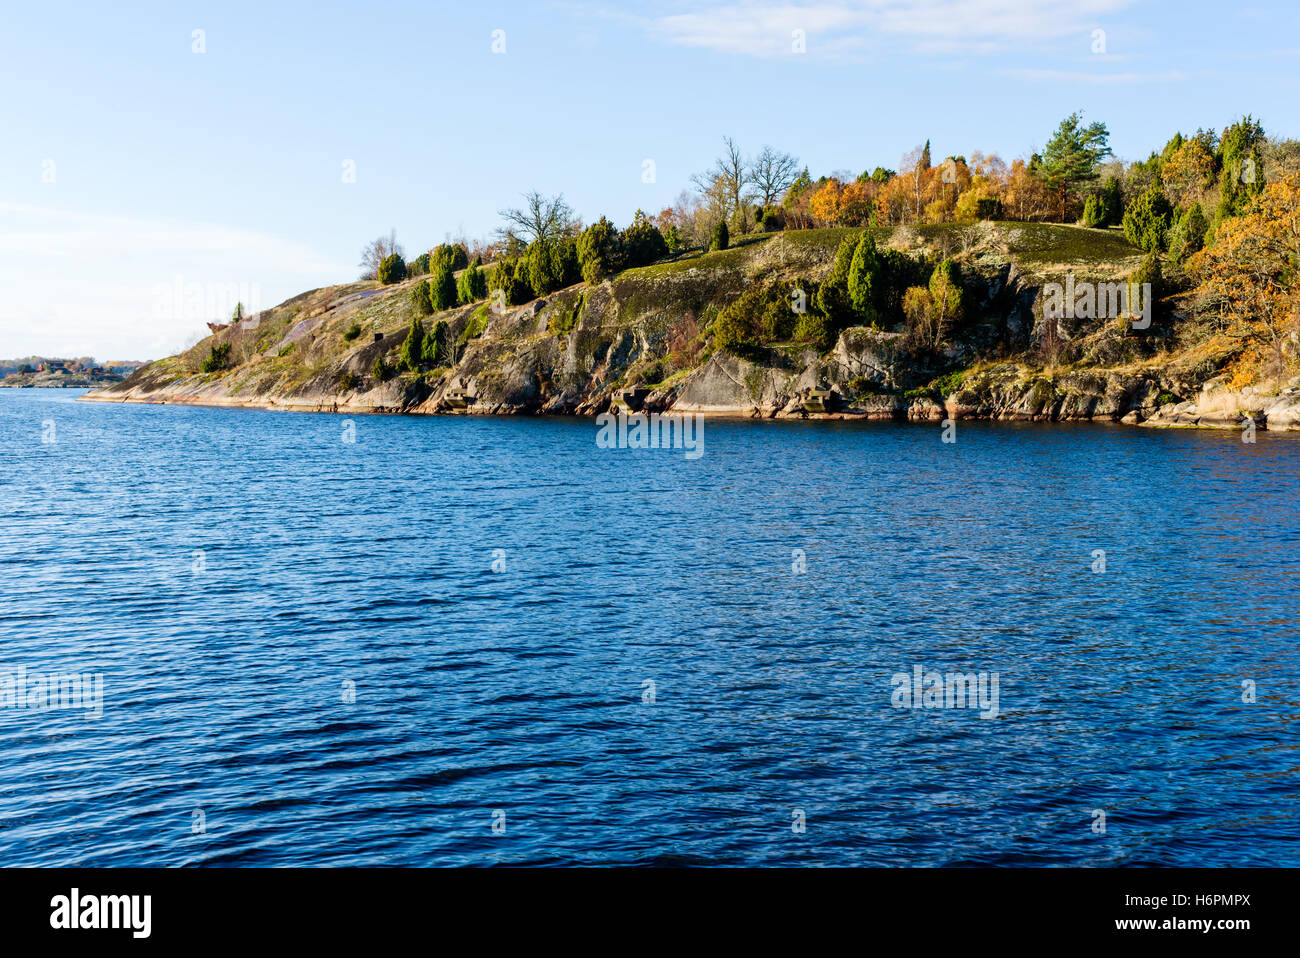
<point x="1112" y="200"/>
<point x="721" y="236"/>
<point x="541" y="218"/>
<point x="443" y="289"/>
<point x="472" y="285"/>
<point x="551" y="264"/>
<point x="1072" y="155"/>
<point x="729" y="176"/>
<point x="411" y="353"/>
<point x="422" y="299"/>
<point x="376" y="251"/>
<point x="599" y="251"/>
<point x="449" y="255"/>
<point x="772" y="173"/>
<point x="1094" y="212"/>
<point x="392" y="269"/>
<point x="1188" y="235"/>
<point x="642" y="242"/>
<point x="867" y="280"/>
<point x="1147" y="220"/>
<point x="1249" y="275"/>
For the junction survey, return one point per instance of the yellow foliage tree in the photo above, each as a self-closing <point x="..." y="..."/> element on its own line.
<point x="1250" y="276"/>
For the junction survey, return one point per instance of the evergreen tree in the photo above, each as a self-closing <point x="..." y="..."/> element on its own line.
<point x="599" y="251"/>
<point x="421" y="297"/>
<point x="867" y="280"/>
<point x="443" y="289"/>
<point x="721" y="236"/>
<point x="1071" y="157"/>
<point x="411" y="353"/>
<point x="1147" y="221"/>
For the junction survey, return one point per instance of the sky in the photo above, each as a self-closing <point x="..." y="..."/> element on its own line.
<point x="158" y="161"/>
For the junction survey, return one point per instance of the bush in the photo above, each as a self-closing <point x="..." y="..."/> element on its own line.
<point x="673" y="238"/>
<point x="381" y="371"/>
<point x="761" y="315"/>
<point x="285" y="350"/>
<point x="832" y="298"/>
<point x="721" y="236"/>
<point x="442" y="290"/>
<point x="600" y="251"/>
<point x="422" y="297"/>
<point x="418" y="266"/>
<point x="1149" y="272"/>
<point x="988" y="209"/>
<point x="1188" y="235"/>
<point x="1112" y="202"/>
<point x="505" y="276"/>
<point x="451" y="256"/>
<point x="411" y="354"/>
<point x="474" y="327"/>
<point x="392" y="269"/>
<point x="353" y="332"/>
<point x="551" y="264"/>
<point x="1094" y="213"/>
<point x="472" y="285"/>
<point x="642" y="242"/>
<point x="348" y="382"/>
<point x="218" y="359"/>
<point x="1147" y="221"/>
<point x="813" y="330"/>
<point x="868" y="282"/>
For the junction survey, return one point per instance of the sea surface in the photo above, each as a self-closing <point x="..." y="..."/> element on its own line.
<point x="478" y="641"/>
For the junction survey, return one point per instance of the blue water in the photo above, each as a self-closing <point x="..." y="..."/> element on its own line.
<point x="236" y="576"/>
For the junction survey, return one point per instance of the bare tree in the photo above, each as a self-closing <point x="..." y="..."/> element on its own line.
<point x="772" y="172"/>
<point x="730" y="175"/>
<point x="376" y="251"/>
<point x="540" y="218"/>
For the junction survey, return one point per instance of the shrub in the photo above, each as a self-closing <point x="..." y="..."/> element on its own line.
<point x="1112" y="202"/>
<point x="813" y="330"/>
<point x="1149" y="272"/>
<point x="472" y="285"/>
<point x="381" y="371"/>
<point x="392" y="269"/>
<point x="348" y="382"/>
<point x="832" y="298"/>
<point x="721" y="238"/>
<point x="418" y="266"/>
<point x="442" y="291"/>
<point x="762" y="314"/>
<point x="451" y="256"/>
<point x="422" y="297"/>
<point x="599" y="251"/>
<point x="867" y="282"/>
<point x="551" y="264"/>
<point x="1147" y="220"/>
<point x="505" y="276"/>
<point x="1188" y="235"/>
<point x="411" y="353"/>
<point x="988" y="209"/>
<point x="218" y="358"/>
<point x="285" y="350"/>
<point x="353" y="332"/>
<point x="642" y="242"/>
<point x="1094" y="213"/>
<point x="673" y="238"/>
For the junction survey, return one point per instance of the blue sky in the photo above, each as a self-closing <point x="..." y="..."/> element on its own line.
<point x="130" y="164"/>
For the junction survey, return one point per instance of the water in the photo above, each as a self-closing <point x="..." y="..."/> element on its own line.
<point x="235" y="576"/>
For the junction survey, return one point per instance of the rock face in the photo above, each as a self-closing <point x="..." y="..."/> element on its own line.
<point x="577" y="350"/>
<point x="1217" y="406"/>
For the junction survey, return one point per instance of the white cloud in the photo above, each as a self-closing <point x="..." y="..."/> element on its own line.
<point x="81" y="283"/>
<point x="833" y="27"/>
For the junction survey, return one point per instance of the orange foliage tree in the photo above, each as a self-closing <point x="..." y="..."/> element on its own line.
<point x="1251" y="276"/>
